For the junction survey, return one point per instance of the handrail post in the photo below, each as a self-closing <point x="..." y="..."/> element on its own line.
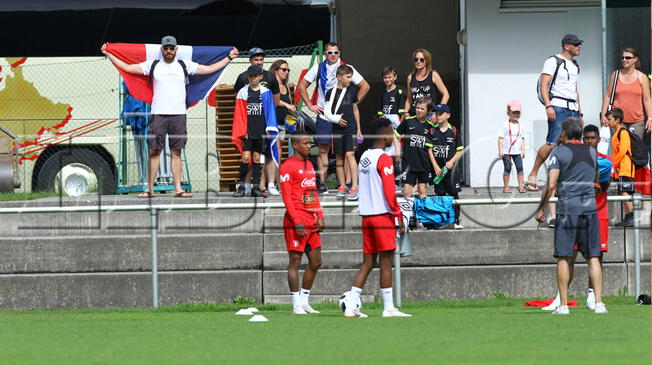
<point x="154" y="229"/>
<point x="637" y="244"/>
<point x="397" y="277"/>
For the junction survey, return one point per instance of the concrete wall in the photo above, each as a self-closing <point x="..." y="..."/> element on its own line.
<point x="506" y="51"/>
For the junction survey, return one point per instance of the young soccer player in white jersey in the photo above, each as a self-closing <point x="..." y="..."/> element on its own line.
<point x="380" y="211"/>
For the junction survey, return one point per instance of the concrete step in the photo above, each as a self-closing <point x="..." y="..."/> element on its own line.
<point x="119" y="253"/>
<point x="436" y="283"/>
<point x="125" y="290"/>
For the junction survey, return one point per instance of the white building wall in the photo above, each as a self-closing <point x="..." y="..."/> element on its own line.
<point x="506" y="51"/>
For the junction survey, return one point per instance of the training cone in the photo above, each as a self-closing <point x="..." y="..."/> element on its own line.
<point x="244" y="312"/>
<point x="258" y="318"/>
<point x="253" y="310"/>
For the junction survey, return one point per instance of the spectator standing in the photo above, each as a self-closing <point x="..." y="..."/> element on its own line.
<point x="572" y="171"/>
<point x="390" y="105"/>
<point x="257" y="57"/>
<point x="324" y="75"/>
<point x="624" y="169"/>
<point x="558" y="92"/>
<point x="446" y="149"/>
<point x="511" y="146"/>
<point x="631" y="94"/>
<point x="424" y="81"/>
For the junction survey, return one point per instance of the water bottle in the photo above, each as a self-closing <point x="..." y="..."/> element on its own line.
<point x="438" y="179"/>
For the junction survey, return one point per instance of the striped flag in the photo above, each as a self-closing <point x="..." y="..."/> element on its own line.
<point x="140" y="87"/>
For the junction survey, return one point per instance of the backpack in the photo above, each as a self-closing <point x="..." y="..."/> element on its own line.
<point x="639" y="149"/>
<point x="434" y="211"/>
<point x="560" y="61"/>
<point x="183" y="66"/>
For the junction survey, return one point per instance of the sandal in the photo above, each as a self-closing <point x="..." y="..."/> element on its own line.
<point x="522" y="189"/>
<point x="146" y="194"/>
<point x="182" y="194"/>
<point x="530" y="186"/>
<point x="507" y="190"/>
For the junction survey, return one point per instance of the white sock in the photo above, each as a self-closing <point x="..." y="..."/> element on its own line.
<point x="388" y="298"/>
<point x="305" y="296"/>
<point x="590" y="295"/>
<point x="557" y="298"/>
<point x="355" y="294"/>
<point x="296" y="298"/>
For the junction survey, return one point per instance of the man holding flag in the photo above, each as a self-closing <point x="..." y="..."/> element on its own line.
<point x="171" y="86"/>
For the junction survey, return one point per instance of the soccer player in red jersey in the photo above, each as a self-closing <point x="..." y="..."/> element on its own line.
<point x="379" y="210"/>
<point x="302" y="222"/>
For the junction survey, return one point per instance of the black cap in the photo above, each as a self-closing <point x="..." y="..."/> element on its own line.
<point x="571" y="39"/>
<point x="254" y="70"/>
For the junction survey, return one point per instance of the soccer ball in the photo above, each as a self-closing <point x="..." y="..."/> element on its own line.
<point x="344" y="301"/>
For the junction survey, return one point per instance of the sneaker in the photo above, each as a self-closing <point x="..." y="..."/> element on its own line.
<point x="395" y="313"/>
<point x="590" y="300"/>
<point x="628" y="221"/>
<point x="350" y="313"/>
<point x="600" y="308"/>
<point x="341" y="192"/>
<point x="240" y="192"/>
<point x="257" y="193"/>
<point x="308" y="309"/>
<point x="272" y="191"/>
<point x="552" y="306"/>
<point x="353" y="194"/>
<point x="552" y="222"/>
<point x="561" y="310"/>
<point x="298" y="310"/>
<point x="458" y="226"/>
<point x="323" y="189"/>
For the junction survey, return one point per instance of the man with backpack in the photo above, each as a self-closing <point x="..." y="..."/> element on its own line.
<point x="628" y="153"/>
<point x="169" y="79"/>
<point x="557" y="90"/>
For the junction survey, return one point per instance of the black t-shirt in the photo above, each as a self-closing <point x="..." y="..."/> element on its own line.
<point x="445" y="144"/>
<point x="416" y="135"/>
<point x="346" y="109"/>
<point x="423" y="88"/>
<point x="282" y="111"/>
<point x="269" y="81"/>
<point x="391" y="102"/>
<point x="255" y="117"/>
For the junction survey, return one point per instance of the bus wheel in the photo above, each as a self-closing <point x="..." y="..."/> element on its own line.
<point x="76" y="172"/>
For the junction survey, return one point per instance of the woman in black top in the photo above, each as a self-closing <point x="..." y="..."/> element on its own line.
<point x="281" y="70"/>
<point x="424" y="81"/>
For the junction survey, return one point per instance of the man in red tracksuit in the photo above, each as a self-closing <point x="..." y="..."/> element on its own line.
<point x="302" y="222"/>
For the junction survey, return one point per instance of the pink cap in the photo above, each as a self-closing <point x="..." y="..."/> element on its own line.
<point x="514" y="105"/>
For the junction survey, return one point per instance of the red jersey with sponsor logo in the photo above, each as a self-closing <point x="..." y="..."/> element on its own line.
<point x="299" y="191"/>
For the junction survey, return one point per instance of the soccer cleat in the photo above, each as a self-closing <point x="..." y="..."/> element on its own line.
<point x="353" y="194"/>
<point x="298" y="310"/>
<point x="323" y="189"/>
<point x="341" y="192"/>
<point x="552" y="306"/>
<point x="395" y="313"/>
<point x="240" y="192"/>
<point x="600" y="308"/>
<point x="308" y="309"/>
<point x="351" y="313"/>
<point x="271" y="189"/>
<point x="561" y="310"/>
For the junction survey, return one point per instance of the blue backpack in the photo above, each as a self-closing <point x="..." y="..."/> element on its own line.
<point x="434" y="211"/>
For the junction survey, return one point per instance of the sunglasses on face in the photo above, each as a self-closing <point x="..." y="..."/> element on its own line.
<point x="627" y="57"/>
<point x="332" y="52"/>
<point x="284" y="69"/>
<point x="169" y="48"/>
<point x="417" y="59"/>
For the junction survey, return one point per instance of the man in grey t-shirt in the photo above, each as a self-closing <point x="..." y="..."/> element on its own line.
<point x="573" y="168"/>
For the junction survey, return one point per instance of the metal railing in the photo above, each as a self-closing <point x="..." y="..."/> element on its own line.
<point x="637" y="200"/>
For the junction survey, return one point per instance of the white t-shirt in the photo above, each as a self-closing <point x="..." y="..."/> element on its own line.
<point x="169" y="85"/>
<point x="565" y="84"/>
<point x="372" y="199"/>
<point x="513" y="135"/>
<point x="313" y="74"/>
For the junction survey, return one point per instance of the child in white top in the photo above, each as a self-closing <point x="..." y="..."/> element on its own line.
<point x="511" y="146"/>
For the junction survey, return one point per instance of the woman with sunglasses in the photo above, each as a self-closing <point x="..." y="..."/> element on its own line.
<point x="424" y="81"/>
<point x="632" y="94"/>
<point x="281" y="70"/>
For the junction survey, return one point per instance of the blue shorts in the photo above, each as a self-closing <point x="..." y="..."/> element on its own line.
<point x="323" y="131"/>
<point x="554" y="126"/>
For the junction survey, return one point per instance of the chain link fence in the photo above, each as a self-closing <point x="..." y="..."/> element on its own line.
<point x="73" y="135"/>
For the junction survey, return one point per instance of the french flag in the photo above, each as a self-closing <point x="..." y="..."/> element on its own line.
<point x="140" y="87"/>
<point x="240" y="119"/>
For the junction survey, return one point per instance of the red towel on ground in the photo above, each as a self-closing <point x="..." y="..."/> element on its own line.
<point x="547" y="302"/>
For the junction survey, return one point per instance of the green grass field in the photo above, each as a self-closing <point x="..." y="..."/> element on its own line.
<point x="493" y="331"/>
